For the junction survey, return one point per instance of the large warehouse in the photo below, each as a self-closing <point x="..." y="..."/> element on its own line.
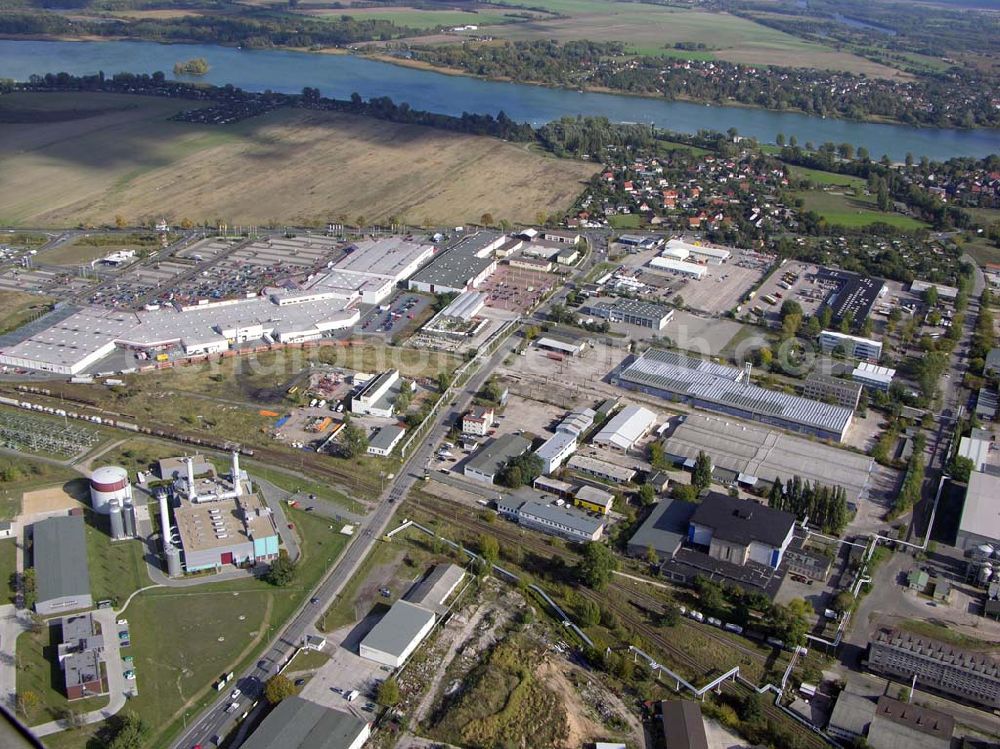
<point x="62" y="579"/>
<point x="850" y="294"/>
<point x="462" y="267"/>
<point x="397" y="634"/>
<point x="717" y="387"/>
<point x="297" y="723"/>
<point x="631" y="311"/>
<point x="626" y="428"/>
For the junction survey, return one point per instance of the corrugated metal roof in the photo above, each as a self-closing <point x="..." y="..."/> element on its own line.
<point x="60" y="558"/>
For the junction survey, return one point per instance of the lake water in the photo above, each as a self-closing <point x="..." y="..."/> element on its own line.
<point x="341" y="75"/>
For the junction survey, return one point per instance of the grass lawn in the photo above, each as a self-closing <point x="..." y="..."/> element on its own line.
<point x="983" y="251"/>
<point x="625" y="221"/>
<point x="295" y="483"/>
<point x="984" y="216"/>
<point x="307" y="660"/>
<point x="819" y="177"/>
<point x="666" y="146"/>
<point x="85" y="249"/>
<point x="841" y="209"/>
<point x="19" y="307"/>
<point x="344" y="611"/>
<point x="38" y="671"/>
<point x="30" y="474"/>
<point x="8" y="566"/>
<point x="116" y="567"/>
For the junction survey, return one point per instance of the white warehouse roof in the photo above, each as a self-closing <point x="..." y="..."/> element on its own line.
<point x="627" y="427"/>
<point x="680" y="266"/>
<point x="718" y="253"/>
<point x="465" y="306"/>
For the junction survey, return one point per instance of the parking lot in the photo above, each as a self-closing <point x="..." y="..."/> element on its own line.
<point x="397" y="315"/>
<point x="724" y="286"/>
<point x="346" y="671"/>
<point x="794" y="280"/>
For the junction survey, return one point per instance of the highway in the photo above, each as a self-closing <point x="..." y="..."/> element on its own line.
<point x="215" y="722"/>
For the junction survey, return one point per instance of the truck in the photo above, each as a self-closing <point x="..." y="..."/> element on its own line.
<point x="352" y="695"/>
<point x="162" y="357"/>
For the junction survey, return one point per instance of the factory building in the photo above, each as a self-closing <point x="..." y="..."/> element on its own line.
<point x="601" y="469"/>
<point x="681" y="267"/>
<point x="740" y="531"/>
<point x="938" y="666"/>
<point x="902" y="725"/>
<point x="62" y="579"/>
<point x="664" y="530"/>
<point x="487" y="463"/>
<point x="873" y="377"/>
<point x="833" y="390"/>
<point x="626" y="428"/>
<point x="462" y="267"/>
<point x="678" y="248"/>
<point x="682" y="724"/>
<point x="384" y="441"/>
<point x="556" y="450"/>
<point x="718" y="387"/>
<point x="432" y="592"/>
<point x="865" y="349"/>
<point x="109" y="483"/>
<point x="394" y="257"/>
<point x="980" y="521"/>
<point x="851" y="295"/>
<point x="297" y="723"/>
<point x="592" y="499"/>
<point x="376" y="397"/>
<point x="554" y="519"/>
<point x="944" y="292"/>
<point x="632" y="312"/>
<point x="566" y="348"/>
<point x="397" y="634"/>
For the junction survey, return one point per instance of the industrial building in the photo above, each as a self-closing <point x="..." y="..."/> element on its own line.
<point x="740" y="531"/>
<point x="626" y="428"/>
<point x="553" y="519"/>
<point x="59" y="551"/>
<point x="980" y="520"/>
<point x="109" y="483"/>
<point x="487" y="463"/>
<point x="902" y="725"/>
<point x="866" y="349"/>
<point x="938" y="666"/>
<point x="385" y="439"/>
<point x="718" y="387"/>
<point x="640" y="243"/>
<point x="432" y="592"/>
<point x="397" y="634"/>
<point x="681" y="267"/>
<point x="566" y="348"/>
<point x="377" y="395"/>
<point x="394" y="257"/>
<point x="297" y="723"/>
<point x="632" y="312"/>
<point x="592" y="499"/>
<point x="601" y="469"/>
<point x="556" y="450"/>
<point x="462" y="267"/>
<point x="873" y="377"/>
<point x="833" y="390"/>
<point x="664" y="530"/>
<point x="683" y="726"/>
<point x="851" y="295"/>
<point x="459" y="320"/>
<point x="944" y="292"/>
<point x="577" y="422"/>
<point x="753" y="452"/>
<point x="678" y="248"/>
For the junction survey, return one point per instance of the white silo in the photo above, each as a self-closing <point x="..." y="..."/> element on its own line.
<point x="117" y="521"/>
<point x="107" y="483"/>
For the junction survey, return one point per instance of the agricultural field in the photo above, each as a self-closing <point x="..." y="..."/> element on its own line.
<point x="414" y="18"/>
<point x="653" y="30"/>
<point x="852" y="211"/>
<point x="85" y="158"/>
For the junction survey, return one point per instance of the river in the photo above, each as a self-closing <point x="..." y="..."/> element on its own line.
<point x="340" y="75"/>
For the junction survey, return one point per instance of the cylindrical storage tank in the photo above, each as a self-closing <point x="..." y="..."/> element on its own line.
<point x="128" y="515"/>
<point x="984" y="574"/>
<point x="173" y="561"/>
<point x="983" y="551"/>
<point x="107" y="483"/>
<point x="117" y="522"/>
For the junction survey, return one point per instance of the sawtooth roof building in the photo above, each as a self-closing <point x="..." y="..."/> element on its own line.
<point x="718" y="387"/>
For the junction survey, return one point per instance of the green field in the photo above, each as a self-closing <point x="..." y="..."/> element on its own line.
<point x="22" y="474"/>
<point x="984" y="216"/>
<point x="8" y="568"/>
<point x="819" y="177"/>
<point x="19" y="307"/>
<point x="625" y="221"/>
<point x="116" y="568"/>
<point x="983" y="251"/>
<point x="840" y="209"/>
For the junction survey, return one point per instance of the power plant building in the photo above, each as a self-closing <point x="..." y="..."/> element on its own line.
<point x="718" y="387"/>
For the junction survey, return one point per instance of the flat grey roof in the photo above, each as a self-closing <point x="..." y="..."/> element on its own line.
<point x="852" y="713"/>
<point x="398" y="628"/>
<point x="460" y="263"/>
<point x="386" y="437"/>
<point x="578" y="521"/>
<point x="742" y="521"/>
<point x="981" y="513"/>
<point x="596" y="466"/>
<point x="60" y="558"/>
<point x="491" y="458"/>
<point x="718" y="383"/>
<point x="666" y="527"/>
<point x="435" y="588"/>
<point x="299" y="724"/>
<point x="389" y="256"/>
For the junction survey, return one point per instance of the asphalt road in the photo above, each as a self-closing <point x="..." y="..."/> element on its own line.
<point x="215" y="722"/>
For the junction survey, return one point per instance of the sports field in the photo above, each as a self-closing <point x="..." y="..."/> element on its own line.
<point x="84" y="158"/>
<point x="843" y="209"/>
<point x="653" y="30"/>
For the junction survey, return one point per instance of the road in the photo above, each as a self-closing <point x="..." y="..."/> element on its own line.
<point x="215" y="722"/>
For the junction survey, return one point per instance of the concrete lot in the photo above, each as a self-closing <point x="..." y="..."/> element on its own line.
<point x="707" y="336"/>
<point x="403" y="309"/>
<point x="346" y="670"/>
<point x="809" y="295"/>
<point x="530" y="416"/>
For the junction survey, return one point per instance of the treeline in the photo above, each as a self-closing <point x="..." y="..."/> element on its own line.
<point x="913" y="481"/>
<point x="251" y="29"/>
<point x="952" y="98"/>
<point x="824" y="507"/>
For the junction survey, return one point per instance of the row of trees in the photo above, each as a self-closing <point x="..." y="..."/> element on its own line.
<point x="824" y="507"/>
